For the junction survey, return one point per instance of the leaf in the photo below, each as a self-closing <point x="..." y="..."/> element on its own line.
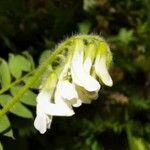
<point x="9" y="134"/>
<point x="4" y="123"/>
<point x="17" y="64"/>
<point x="136" y="143"/>
<point x="45" y="55"/>
<point x="5" y="126"/>
<point x="18" y="109"/>
<point x="125" y="36"/>
<point x="84" y="27"/>
<point x="29" y="98"/>
<point x="89" y="5"/>
<point x="95" y="146"/>
<point x="142" y="61"/>
<point x="139" y="144"/>
<point x="140" y="103"/>
<point x="29" y="57"/>
<point x="5" y="77"/>
<point x="1" y="146"/>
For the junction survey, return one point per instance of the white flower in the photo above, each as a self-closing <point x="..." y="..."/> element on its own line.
<point x="65" y="107"/>
<point x="74" y="83"/>
<point x="69" y="94"/>
<point x="102" y="72"/>
<point x="46" y="109"/>
<point x="42" y="121"/>
<point x="100" y="65"/>
<point x="80" y="76"/>
<point x="87" y="65"/>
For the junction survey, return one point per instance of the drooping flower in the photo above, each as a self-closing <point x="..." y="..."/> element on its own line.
<point x="46" y="108"/>
<point x="42" y="121"/>
<point x="101" y="68"/>
<point x="80" y="76"/>
<point x="69" y="93"/>
<point x="76" y="81"/>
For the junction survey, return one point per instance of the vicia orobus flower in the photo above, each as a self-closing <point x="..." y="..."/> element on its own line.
<point x="75" y="77"/>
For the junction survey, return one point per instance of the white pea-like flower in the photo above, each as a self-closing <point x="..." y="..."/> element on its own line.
<point x="100" y="64"/>
<point x="102" y="72"/>
<point x="69" y="93"/>
<point x="46" y="109"/>
<point x="42" y="121"/>
<point x="77" y="81"/>
<point x="80" y="75"/>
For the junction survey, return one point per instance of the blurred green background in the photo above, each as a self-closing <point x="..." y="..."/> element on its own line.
<point x="119" y="119"/>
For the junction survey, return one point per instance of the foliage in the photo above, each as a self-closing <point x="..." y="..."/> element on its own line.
<point x="11" y="80"/>
<point x="119" y="119"/>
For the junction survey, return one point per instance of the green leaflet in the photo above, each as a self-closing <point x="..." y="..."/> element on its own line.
<point x="44" y="56"/>
<point x="1" y="146"/>
<point x="139" y="103"/>
<point x="9" y="134"/>
<point x="139" y="144"/>
<point x="18" y="109"/>
<point x="5" y="127"/>
<point x="29" y="57"/>
<point x="29" y="98"/>
<point x="4" y="123"/>
<point x="125" y="36"/>
<point x="89" y="5"/>
<point x="135" y="143"/>
<point x="84" y="27"/>
<point x="5" y="77"/>
<point x="18" y="64"/>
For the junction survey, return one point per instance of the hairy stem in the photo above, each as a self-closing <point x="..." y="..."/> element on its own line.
<point x="37" y="74"/>
<point x="40" y="71"/>
<point x="15" y="82"/>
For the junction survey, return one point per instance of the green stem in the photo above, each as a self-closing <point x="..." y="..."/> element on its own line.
<point x="37" y="74"/>
<point x="15" y="82"/>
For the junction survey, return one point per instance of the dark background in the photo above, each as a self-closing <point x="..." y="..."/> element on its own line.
<point x="38" y="25"/>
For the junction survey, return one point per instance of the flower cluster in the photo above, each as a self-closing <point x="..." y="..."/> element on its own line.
<point x="77" y="81"/>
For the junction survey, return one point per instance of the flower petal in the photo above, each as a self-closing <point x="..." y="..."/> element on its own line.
<point x="87" y="65"/>
<point x="78" y="103"/>
<point x="58" y="110"/>
<point x="61" y="107"/>
<point x="49" y="121"/>
<point x="41" y="122"/>
<point x="85" y="96"/>
<point x="43" y="97"/>
<point x="80" y="77"/>
<point x="102" y="72"/>
<point x="67" y="90"/>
